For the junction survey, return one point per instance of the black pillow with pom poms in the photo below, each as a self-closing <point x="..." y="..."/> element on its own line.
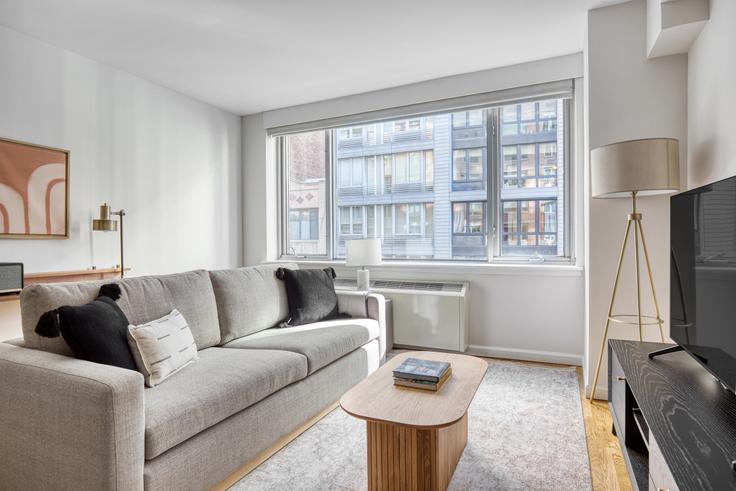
<point x="311" y="294"/>
<point x="95" y="332"/>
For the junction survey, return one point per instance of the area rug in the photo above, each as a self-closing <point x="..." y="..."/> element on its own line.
<point x="526" y="431"/>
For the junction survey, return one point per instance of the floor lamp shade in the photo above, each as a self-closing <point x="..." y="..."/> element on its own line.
<point x="647" y="167"/>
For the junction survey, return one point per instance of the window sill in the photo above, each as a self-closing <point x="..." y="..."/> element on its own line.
<point x="480" y="268"/>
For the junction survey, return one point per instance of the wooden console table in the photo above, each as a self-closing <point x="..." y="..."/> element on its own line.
<point x="675" y="423"/>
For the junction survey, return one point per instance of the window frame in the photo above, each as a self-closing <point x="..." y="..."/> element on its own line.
<point x="280" y="152"/>
<point x="495" y="184"/>
<point x="493" y="177"/>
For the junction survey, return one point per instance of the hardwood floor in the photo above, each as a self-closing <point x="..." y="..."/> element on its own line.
<point x="607" y="466"/>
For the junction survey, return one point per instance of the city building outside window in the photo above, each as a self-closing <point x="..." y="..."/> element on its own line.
<point x="433" y="187"/>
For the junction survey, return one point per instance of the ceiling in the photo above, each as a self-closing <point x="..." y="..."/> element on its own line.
<point x="248" y="56"/>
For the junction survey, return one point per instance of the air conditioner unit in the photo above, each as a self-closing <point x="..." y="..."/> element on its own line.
<point x="425" y="314"/>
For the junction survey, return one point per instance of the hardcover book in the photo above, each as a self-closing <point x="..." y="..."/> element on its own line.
<point x="414" y="368"/>
<point x="423" y="384"/>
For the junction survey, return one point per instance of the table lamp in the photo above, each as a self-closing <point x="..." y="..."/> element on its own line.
<point x="362" y="253"/>
<point x="107" y="224"/>
<point x="629" y="169"/>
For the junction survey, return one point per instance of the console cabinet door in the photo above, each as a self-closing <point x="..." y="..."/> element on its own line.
<point x="659" y="473"/>
<point x="618" y="395"/>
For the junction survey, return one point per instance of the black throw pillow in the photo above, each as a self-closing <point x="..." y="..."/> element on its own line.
<point x="311" y="294"/>
<point x="97" y="331"/>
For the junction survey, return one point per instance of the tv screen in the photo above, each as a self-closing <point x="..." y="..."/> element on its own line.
<point x="703" y="276"/>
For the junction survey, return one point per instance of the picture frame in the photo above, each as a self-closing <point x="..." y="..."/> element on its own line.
<point x="34" y="191"/>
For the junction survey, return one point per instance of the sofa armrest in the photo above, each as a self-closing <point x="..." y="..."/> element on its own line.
<point x="68" y="423"/>
<point x="366" y="305"/>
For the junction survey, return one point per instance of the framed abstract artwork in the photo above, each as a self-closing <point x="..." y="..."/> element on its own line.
<point x="34" y="191"/>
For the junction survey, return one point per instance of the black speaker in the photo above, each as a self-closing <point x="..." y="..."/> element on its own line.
<point x="11" y="278"/>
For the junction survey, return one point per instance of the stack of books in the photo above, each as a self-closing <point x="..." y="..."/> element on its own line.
<point x="422" y="374"/>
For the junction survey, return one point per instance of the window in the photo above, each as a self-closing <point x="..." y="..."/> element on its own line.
<point x="305" y="175"/>
<point x="530" y="227"/>
<point x="350" y="172"/>
<point x="467" y="119"/>
<point x="351" y="220"/>
<point x="467" y="165"/>
<point x="530" y="117"/>
<point x="348" y="133"/>
<point x="468" y="218"/>
<point x="304" y="224"/>
<point x="407" y="125"/>
<point x="429" y="192"/>
<point x="530" y="166"/>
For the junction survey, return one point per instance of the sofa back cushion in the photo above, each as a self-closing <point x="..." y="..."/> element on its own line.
<point x="142" y="299"/>
<point x="249" y="299"/>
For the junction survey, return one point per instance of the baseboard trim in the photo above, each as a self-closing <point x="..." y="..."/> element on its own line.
<point x="526" y="355"/>
<point x="246" y="468"/>
<point x="601" y="393"/>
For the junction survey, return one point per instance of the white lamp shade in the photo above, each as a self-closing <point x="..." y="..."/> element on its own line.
<point x="363" y="252"/>
<point x="650" y="166"/>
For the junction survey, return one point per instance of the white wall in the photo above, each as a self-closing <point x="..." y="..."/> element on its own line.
<point x="712" y="98"/>
<point x="629" y="97"/>
<point x="172" y="162"/>
<point x="526" y="312"/>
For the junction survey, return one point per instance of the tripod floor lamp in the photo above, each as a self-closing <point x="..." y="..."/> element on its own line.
<point x="631" y="169"/>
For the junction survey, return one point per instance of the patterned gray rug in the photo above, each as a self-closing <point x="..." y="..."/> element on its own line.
<point x="526" y="431"/>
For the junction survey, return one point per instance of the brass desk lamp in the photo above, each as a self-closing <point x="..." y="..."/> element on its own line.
<point x="107" y="224"/>
<point x="629" y="169"/>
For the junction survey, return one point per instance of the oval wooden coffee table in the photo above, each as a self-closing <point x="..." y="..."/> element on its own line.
<point x="415" y="437"/>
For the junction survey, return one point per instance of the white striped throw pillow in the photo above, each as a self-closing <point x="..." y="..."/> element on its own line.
<point x="162" y="347"/>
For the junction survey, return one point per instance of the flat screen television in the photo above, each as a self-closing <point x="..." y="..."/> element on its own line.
<point x="703" y="276"/>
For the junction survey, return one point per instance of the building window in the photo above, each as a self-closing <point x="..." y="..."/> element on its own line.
<point x="530" y="117"/>
<point x="468" y="218"/>
<point x="304" y="224"/>
<point x="532" y="165"/>
<point x="349" y="133"/>
<point x="429" y="192"/>
<point x="467" y="165"/>
<point x="467" y="119"/>
<point x="350" y="172"/>
<point x="529" y="227"/>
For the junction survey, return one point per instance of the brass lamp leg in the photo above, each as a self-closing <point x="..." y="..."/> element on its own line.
<point x="637" y="217"/>
<point x="651" y="280"/>
<point x="610" y="306"/>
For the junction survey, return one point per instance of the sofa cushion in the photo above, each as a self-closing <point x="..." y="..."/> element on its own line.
<point x="142" y="299"/>
<point x="221" y="383"/>
<point x="249" y="299"/>
<point x="321" y="342"/>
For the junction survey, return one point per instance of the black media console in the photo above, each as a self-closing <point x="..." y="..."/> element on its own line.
<point x="675" y="422"/>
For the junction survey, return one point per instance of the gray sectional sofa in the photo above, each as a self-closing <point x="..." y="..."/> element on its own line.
<point x="71" y="424"/>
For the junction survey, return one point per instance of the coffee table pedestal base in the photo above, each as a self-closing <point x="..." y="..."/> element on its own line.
<point x="406" y="458"/>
